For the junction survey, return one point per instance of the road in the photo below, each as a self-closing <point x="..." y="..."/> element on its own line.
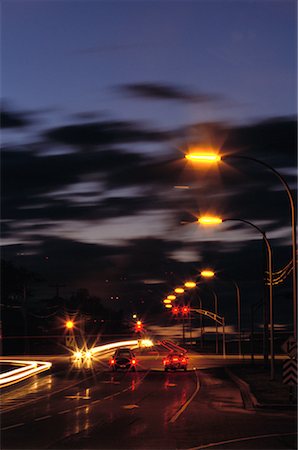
<point x="149" y="409"/>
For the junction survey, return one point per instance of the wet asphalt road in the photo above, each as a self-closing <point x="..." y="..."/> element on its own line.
<point x="149" y="409"/>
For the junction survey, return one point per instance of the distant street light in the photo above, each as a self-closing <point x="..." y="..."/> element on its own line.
<point x="69" y="324"/>
<point x="190" y="284"/>
<point x="167" y="301"/>
<point x="179" y="290"/>
<point x="207" y="274"/>
<point x="212" y="274"/>
<point x="171" y="297"/>
<point x="169" y="306"/>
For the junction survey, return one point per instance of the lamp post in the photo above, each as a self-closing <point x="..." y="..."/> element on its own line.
<point x="212" y="157"/>
<point x="269" y="253"/>
<point x="210" y="274"/>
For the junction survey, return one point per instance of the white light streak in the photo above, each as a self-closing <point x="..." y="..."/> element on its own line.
<point x="29" y="369"/>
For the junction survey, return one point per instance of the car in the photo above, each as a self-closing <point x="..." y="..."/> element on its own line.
<point x="175" y="361"/>
<point x="123" y="359"/>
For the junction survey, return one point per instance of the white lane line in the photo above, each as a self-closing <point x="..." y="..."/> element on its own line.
<point x="185" y="405"/>
<point x="65" y="411"/>
<point x="13" y="426"/>
<point x="249" y="438"/>
<point x="42" y="418"/>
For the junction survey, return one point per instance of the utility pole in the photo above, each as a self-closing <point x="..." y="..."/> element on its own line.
<point x="57" y="286"/>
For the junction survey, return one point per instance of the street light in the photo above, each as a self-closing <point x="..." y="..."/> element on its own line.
<point x="269" y="252"/>
<point x="167" y="301"/>
<point x="211" y="157"/>
<point x="209" y="220"/>
<point x="211" y="274"/>
<point x="190" y="284"/>
<point x="69" y="324"/>
<point x="171" y="297"/>
<point x="179" y="290"/>
<point x="203" y="157"/>
<point x="207" y="274"/>
<point x="169" y="306"/>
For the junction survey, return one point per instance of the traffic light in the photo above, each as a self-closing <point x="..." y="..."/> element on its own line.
<point x="139" y="326"/>
<point x="175" y="310"/>
<point x="185" y="310"/>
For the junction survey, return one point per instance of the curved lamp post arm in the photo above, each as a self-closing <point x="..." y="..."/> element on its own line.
<point x="293" y="222"/>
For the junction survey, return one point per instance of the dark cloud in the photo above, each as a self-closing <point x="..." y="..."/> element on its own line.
<point x="27" y="176"/>
<point x="93" y="135"/>
<point x="157" y="91"/>
<point x="274" y="141"/>
<point x="12" y="119"/>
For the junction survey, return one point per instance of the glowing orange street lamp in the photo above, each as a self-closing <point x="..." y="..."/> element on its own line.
<point x="202" y="157"/>
<point x="179" y="290"/>
<point x="207" y="274"/>
<point x="190" y="284"/>
<point x="69" y="324"/>
<point x="167" y="301"/>
<point x="209" y="220"/>
<point x="171" y="297"/>
<point x="169" y="306"/>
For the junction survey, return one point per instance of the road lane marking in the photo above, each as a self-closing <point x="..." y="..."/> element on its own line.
<point x="13" y="426"/>
<point x="35" y="400"/>
<point x="249" y="438"/>
<point x="130" y="406"/>
<point x="65" y="411"/>
<point x="185" y="405"/>
<point x="42" y="418"/>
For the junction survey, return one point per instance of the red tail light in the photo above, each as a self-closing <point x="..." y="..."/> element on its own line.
<point x="133" y="362"/>
<point x="166" y="361"/>
<point x="175" y="359"/>
<point x="183" y="360"/>
<point x="112" y="361"/>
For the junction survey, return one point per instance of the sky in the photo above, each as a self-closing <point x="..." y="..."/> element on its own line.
<point x="100" y="102"/>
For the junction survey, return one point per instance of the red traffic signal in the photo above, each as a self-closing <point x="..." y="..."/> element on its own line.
<point x="175" y="310"/>
<point x="138" y="326"/>
<point x="185" y="310"/>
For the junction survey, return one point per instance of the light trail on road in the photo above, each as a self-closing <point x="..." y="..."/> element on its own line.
<point x="29" y="369"/>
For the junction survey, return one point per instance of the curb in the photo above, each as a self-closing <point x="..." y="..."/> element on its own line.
<point x="249" y="400"/>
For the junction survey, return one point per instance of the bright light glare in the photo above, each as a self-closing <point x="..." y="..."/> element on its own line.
<point x="209" y="220"/>
<point x="69" y="324"/>
<point x="88" y="354"/>
<point x="190" y="284"/>
<point x="179" y="290"/>
<point x="167" y="301"/>
<point x="146" y="343"/>
<point x="171" y="297"/>
<point x="207" y="273"/>
<point x="201" y="157"/>
<point x="78" y="354"/>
